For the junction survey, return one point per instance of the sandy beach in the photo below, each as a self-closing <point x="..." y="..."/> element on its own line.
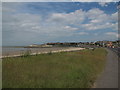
<point x="34" y="51"/>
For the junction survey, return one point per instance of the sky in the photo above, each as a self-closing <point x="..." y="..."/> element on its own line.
<point x="25" y="23"/>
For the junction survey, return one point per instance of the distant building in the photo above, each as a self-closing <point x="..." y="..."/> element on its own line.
<point x="45" y="45"/>
<point x="33" y="45"/>
<point x="110" y="44"/>
<point x="64" y="44"/>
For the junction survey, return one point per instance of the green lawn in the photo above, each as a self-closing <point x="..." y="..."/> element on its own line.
<point x="59" y="70"/>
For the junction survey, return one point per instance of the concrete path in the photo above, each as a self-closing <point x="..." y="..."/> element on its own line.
<point x="109" y="77"/>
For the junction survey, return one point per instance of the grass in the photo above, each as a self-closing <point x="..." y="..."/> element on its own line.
<point x="77" y="69"/>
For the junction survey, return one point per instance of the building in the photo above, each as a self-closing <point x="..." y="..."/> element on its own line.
<point x="45" y="45"/>
<point x="110" y="44"/>
<point x="33" y="45"/>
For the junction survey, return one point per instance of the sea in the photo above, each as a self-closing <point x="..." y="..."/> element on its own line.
<point x="13" y="50"/>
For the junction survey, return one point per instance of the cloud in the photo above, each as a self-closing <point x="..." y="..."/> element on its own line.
<point x="70" y="28"/>
<point x="18" y="25"/>
<point x="83" y="33"/>
<point x="112" y="34"/>
<point x="103" y="4"/>
<point x="97" y="14"/>
<point x="19" y="22"/>
<point x="60" y="1"/>
<point x="70" y="18"/>
<point x="114" y="17"/>
<point x="98" y="19"/>
<point x="96" y="34"/>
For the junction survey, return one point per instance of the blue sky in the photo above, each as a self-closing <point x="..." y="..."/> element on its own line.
<point x="42" y="22"/>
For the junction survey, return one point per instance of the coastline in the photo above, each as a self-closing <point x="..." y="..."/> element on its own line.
<point x="51" y="50"/>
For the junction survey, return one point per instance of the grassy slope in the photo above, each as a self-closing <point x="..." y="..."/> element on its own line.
<point x="59" y="70"/>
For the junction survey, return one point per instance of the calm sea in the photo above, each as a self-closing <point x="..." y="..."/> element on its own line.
<point x="12" y="49"/>
<point x="19" y="50"/>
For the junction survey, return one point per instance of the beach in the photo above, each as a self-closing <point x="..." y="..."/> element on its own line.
<point x="14" y="52"/>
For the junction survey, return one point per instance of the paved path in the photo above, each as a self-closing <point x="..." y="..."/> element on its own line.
<point x="109" y="77"/>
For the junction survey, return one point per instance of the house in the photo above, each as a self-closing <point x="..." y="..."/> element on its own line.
<point x="45" y="45"/>
<point x="33" y="45"/>
<point x="110" y="44"/>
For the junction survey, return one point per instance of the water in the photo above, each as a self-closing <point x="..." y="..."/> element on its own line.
<point x="6" y="51"/>
<point x="12" y="49"/>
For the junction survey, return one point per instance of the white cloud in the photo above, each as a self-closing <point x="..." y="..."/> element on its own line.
<point x="70" y="28"/>
<point x="112" y="34"/>
<point x="58" y="24"/>
<point x="96" y="34"/>
<point x="20" y="22"/>
<point x="59" y="1"/>
<point x="103" y="4"/>
<point x="83" y="33"/>
<point x="97" y="14"/>
<point x="97" y="20"/>
<point x="70" y="18"/>
<point x="100" y="20"/>
<point x="114" y="17"/>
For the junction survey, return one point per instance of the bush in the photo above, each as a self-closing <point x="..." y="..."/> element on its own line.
<point x="27" y="53"/>
<point x="50" y="53"/>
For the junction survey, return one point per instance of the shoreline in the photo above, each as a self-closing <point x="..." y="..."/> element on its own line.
<point x="45" y="52"/>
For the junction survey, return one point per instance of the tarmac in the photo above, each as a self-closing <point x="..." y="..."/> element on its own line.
<point x="109" y="77"/>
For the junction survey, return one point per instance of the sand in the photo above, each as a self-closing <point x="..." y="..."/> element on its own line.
<point x="40" y="51"/>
